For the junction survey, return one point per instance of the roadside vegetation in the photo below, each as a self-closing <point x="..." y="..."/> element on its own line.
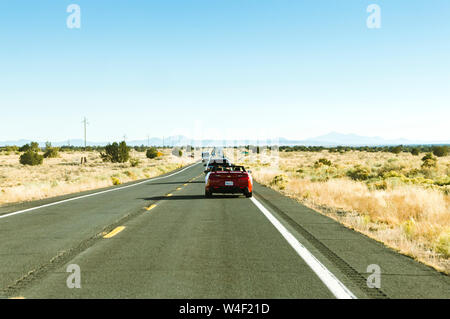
<point x="398" y="195"/>
<point x="31" y="173"/>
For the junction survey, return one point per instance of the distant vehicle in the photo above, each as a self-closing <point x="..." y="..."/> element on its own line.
<point x="220" y="161"/>
<point x="228" y="179"/>
<point x="205" y="156"/>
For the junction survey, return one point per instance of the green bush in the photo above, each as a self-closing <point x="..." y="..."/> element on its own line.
<point x="135" y="161"/>
<point x="359" y="173"/>
<point x="116" y="153"/>
<point x="50" y="152"/>
<point x="12" y="148"/>
<point x="392" y="173"/>
<point x="429" y="161"/>
<point x="279" y="181"/>
<point x="124" y="152"/>
<point x="428" y="156"/>
<point x="152" y="152"/>
<point x="31" y="158"/>
<point x="443" y="181"/>
<point x="415" y="151"/>
<point x="33" y="146"/>
<point x="440" y="151"/>
<point x="428" y="164"/>
<point x="396" y="149"/>
<point x="323" y="161"/>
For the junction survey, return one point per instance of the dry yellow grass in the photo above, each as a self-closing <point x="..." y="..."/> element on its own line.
<point x="65" y="175"/>
<point x="409" y="211"/>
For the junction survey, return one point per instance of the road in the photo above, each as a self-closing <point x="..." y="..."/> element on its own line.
<point x="161" y="238"/>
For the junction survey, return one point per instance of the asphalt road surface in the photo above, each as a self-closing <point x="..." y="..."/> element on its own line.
<point x="161" y="238"/>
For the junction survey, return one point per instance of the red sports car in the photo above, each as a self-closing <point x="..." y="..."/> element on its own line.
<point x="229" y="179"/>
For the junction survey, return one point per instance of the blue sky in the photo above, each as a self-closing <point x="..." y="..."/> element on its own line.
<point x="224" y="69"/>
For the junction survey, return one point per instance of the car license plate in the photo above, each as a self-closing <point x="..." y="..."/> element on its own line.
<point x="228" y="183"/>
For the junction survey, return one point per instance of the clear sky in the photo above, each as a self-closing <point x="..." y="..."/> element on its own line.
<point x="224" y="69"/>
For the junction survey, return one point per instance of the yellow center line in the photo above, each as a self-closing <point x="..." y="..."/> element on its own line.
<point x="150" y="207"/>
<point x="168" y="195"/>
<point x="18" y="297"/>
<point x="185" y="184"/>
<point x="178" y="188"/>
<point x="114" y="232"/>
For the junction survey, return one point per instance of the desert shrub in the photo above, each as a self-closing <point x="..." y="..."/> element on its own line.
<point x="409" y="227"/>
<point x="12" y="148"/>
<point x="33" y="146"/>
<point x="124" y="152"/>
<point x="443" y="244"/>
<point x="428" y="156"/>
<point x="443" y="181"/>
<point x="130" y="174"/>
<point x="389" y="167"/>
<point x="429" y="161"/>
<point x="392" y="173"/>
<point x="414" y="172"/>
<point x="31" y="158"/>
<point x="50" y="152"/>
<point x="415" y="151"/>
<point x="134" y="161"/>
<point x="380" y="185"/>
<point x="396" y="149"/>
<point x="152" y="152"/>
<point x="322" y="161"/>
<point x="116" y="153"/>
<point x="115" y="181"/>
<point x="359" y="173"/>
<point x="279" y="181"/>
<point x="440" y="151"/>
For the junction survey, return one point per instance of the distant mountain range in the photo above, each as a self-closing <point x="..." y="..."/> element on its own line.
<point x="335" y="139"/>
<point x="330" y="139"/>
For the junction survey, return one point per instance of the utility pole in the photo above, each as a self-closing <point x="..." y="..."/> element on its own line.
<point x="148" y="140"/>
<point x="163" y="142"/>
<point x="85" y="122"/>
<point x="84" y="159"/>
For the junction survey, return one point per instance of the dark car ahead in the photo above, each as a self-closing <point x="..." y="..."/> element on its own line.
<point x="213" y="162"/>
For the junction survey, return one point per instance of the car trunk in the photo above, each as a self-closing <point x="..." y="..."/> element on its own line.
<point x="228" y="179"/>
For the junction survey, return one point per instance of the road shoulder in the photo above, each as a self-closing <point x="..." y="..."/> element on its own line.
<point x="349" y="254"/>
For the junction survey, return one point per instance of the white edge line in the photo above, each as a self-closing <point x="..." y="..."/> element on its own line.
<point x="334" y="285"/>
<point x="93" y="194"/>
